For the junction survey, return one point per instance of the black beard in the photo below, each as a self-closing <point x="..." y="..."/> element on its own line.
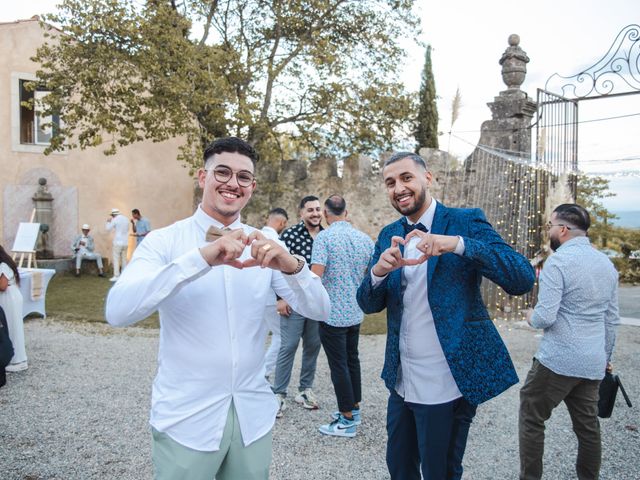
<point x="554" y="243"/>
<point x="309" y="223"/>
<point x="420" y="199"/>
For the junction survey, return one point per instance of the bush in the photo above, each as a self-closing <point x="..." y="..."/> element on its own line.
<point x="628" y="269"/>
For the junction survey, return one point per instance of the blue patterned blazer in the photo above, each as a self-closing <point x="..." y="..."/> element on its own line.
<point x="475" y="352"/>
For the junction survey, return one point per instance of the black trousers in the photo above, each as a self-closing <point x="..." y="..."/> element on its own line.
<point x="341" y="347"/>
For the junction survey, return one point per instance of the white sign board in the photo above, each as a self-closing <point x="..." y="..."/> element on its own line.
<point x="26" y="237"/>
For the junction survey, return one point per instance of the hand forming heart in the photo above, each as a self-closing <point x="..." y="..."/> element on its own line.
<point x="429" y="244"/>
<point x="265" y="253"/>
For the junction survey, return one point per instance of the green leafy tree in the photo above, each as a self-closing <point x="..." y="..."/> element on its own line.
<point x="427" y="130"/>
<point x="316" y="74"/>
<point x="591" y="190"/>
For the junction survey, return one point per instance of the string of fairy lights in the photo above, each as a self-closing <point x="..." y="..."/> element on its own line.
<point x="503" y="186"/>
<point x="513" y="189"/>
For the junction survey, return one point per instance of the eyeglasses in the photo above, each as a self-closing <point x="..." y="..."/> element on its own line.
<point x="549" y="225"/>
<point x="223" y="174"/>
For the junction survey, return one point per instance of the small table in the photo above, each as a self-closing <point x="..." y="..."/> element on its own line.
<point x="26" y="277"/>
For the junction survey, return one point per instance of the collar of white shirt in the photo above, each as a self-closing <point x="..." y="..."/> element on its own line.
<point x="427" y="217"/>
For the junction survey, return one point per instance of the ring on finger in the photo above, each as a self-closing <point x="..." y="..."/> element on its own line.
<point x="266" y="247"/>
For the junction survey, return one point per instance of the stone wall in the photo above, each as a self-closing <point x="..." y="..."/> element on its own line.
<point x="360" y="183"/>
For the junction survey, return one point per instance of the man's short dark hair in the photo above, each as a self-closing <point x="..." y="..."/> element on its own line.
<point x="396" y="157"/>
<point x="279" y="211"/>
<point x="231" y="145"/>
<point x="307" y="199"/>
<point x="136" y="211"/>
<point x="573" y="215"/>
<point x="336" y="205"/>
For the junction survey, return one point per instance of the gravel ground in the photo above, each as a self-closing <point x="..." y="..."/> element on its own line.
<point x="80" y="412"/>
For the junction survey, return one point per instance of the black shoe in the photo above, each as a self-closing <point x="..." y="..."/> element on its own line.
<point x="101" y="275"/>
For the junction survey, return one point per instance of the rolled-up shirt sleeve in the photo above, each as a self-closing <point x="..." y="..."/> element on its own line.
<point x="545" y="312"/>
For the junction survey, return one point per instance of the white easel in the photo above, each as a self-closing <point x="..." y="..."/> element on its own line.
<point x="25" y="242"/>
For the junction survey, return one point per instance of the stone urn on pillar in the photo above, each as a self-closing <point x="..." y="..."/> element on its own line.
<point x="43" y="203"/>
<point x="514" y="64"/>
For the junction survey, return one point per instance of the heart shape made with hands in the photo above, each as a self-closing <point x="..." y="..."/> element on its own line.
<point x="428" y="244"/>
<point x="432" y="245"/>
<point x="262" y="252"/>
<point x="407" y="262"/>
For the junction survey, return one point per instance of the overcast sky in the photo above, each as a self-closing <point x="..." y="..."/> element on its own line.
<point x="468" y="38"/>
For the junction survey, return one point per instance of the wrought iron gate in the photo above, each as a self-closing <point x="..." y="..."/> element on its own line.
<point x="556" y="159"/>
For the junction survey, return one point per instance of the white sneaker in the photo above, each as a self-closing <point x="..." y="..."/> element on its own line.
<point x="307" y="399"/>
<point x="113" y="279"/>
<point x="283" y="405"/>
<point x="16" y="367"/>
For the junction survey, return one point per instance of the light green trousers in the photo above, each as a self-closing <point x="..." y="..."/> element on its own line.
<point x="234" y="461"/>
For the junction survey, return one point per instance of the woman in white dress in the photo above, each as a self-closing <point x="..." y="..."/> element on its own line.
<point x="11" y="302"/>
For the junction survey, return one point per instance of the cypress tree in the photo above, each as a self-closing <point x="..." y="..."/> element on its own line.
<point x="427" y="129"/>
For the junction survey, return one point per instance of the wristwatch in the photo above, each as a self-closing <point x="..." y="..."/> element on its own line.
<point x="301" y="262"/>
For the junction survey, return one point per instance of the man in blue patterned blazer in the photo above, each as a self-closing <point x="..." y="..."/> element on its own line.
<point x="443" y="355"/>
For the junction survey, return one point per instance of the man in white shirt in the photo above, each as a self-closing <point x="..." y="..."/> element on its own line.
<point x="212" y="409"/>
<point x="120" y="224"/>
<point x="444" y="356"/>
<point x="276" y="223"/>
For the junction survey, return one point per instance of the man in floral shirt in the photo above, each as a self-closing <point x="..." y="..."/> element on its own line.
<point x="340" y="256"/>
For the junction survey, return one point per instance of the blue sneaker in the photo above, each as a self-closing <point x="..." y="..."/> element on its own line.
<point x="342" y="427"/>
<point x="356" y="416"/>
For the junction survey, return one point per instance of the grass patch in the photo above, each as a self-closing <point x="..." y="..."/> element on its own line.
<point x="374" y="324"/>
<point x="82" y="299"/>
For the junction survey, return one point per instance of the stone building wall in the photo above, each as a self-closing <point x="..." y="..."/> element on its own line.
<point x="85" y="184"/>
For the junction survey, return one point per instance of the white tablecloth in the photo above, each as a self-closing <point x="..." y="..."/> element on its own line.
<point x="29" y="305"/>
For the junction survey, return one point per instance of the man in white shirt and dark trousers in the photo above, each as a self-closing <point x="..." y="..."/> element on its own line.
<point x="276" y="223"/>
<point x="212" y="409"/>
<point x="120" y="224"/>
<point x="578" y="310"/>
<point x="444" y="355"/>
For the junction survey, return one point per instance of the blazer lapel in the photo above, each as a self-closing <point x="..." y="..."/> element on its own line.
<point x="438" y="227"/>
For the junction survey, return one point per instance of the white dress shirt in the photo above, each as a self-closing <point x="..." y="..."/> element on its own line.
<point x="423" y="374"/>
<point x="212" y="331"/>
<point x="271" y="233"/>
<point x="121" y="225"/>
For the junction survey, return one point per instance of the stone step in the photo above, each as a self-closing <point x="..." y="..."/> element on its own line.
<point x="67" y="264"/>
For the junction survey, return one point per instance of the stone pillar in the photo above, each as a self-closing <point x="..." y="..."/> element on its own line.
<point x="512" y="110"/>
<point x="43" y="202"/>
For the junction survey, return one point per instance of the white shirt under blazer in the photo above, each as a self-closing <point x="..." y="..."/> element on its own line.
<point x="424" y="376"/>
<point x="212" y="333"/>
